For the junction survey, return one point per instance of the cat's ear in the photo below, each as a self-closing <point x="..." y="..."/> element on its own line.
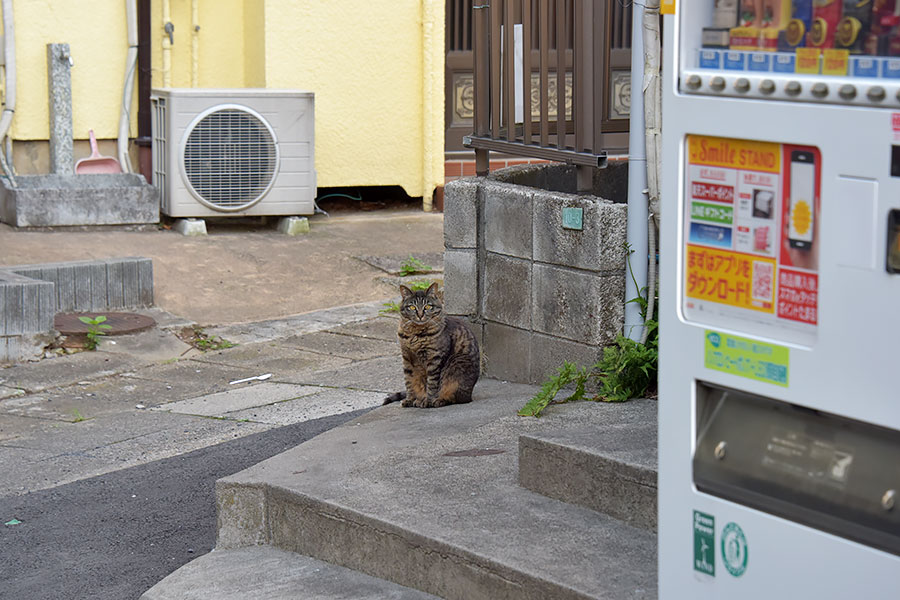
<point x="432" y="290"/>
<point x="405" y="292"/>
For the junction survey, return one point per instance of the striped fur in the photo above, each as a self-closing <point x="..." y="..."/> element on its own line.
<point x="441" y="359"/>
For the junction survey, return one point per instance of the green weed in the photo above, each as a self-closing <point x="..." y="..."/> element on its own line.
<point x="96" y="329"/>
<point x="413" y="265"/>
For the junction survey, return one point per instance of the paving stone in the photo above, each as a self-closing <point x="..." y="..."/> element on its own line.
<point x="239" y="397"/>
<point x="344" y="346"/>
<point x="380" y="328"/>
<point x="376" y="375"/>
<point x="257" y="359"/>
<point x="66" y="370"/>
<point x="322" y="404"/>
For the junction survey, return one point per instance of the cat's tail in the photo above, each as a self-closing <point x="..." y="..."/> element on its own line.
<point x="395" y="397"/>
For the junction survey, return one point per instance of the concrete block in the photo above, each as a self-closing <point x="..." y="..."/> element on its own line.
<point x="64" y="200"/>
<point x="13" y="309"/>
<point x="460" y="282"/>
<point x="82" y="294"/>
<point x="99" y="282"/>
<point x="507" y="218"/>
<point x="598" y="247"/>
<point x="240" y="516"/>
<point x="145" y="277"/>
<point x="293" y="225"/>
<point x="461" y="213"/>
<point x="548" y="354"/>
<point x="65" y="287"/>
<point x="190" y="227"/>
<point x="612" y="469"/>
<point x="115" y="290"/>
<point x="611" y="183"/>
<point x="507" y="291"/>
<point x="506" y="353"/>
<point x="577" y="305"/>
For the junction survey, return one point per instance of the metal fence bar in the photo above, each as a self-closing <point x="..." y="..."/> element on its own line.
<point x="493" y="91"/>
<point x="526" y="72"/>
<point x="482" y="78"/>
<point x="509" y="48"/>
<point x="561" y="74"/>
<point x="544" y="43"/>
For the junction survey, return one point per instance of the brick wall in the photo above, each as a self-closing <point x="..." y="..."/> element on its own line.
<point x="535" y="293"/>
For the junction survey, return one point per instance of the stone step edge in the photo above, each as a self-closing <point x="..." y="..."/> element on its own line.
<point x="327" y="531"/>
<point x="624" y="491"/>
<point x="274" y="574"/>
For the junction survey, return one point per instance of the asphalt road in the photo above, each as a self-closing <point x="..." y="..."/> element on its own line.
<point x="114" y="536"/>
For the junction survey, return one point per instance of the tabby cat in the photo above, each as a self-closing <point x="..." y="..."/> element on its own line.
<point x="441" y="361"/>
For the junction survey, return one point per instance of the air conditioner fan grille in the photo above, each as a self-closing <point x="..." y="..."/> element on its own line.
<point x="230" y="158"/>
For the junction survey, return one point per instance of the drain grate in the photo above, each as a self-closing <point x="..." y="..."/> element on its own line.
<point x="120" y="323"/>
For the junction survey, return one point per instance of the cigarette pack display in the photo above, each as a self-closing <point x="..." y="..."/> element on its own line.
<point x="725" y="14"/>
<point x="775" y="17"/>
<point x="716" y="37"/>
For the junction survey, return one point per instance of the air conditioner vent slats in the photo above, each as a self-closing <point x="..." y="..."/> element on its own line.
<point x="230" y="158"/>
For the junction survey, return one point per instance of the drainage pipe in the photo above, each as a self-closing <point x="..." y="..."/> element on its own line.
<point x="195" y="43"/>
<point x="9" y="68"/>
<point x="636" y="274"/>
<point x="166" y="46"/>
<point x="128" y="89"/>
<point x="653" y="138"/>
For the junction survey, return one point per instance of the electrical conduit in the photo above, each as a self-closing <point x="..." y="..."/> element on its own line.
<point x="166" y="46"/>
<point x="128" y="89"/>
<point x="9" y="109"/>
<point x="653" y="138"/>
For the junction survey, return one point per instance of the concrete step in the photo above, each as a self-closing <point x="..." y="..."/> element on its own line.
<point x="607" y="462"/>
<point x="267" y="573"/>
<point x="429" y="499"/>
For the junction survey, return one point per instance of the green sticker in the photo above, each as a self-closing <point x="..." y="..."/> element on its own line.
<point x="734" y="549"/>
<point x="704" y="543"/>
<point x="747" y="358"/>
<point x="714" y="213"/>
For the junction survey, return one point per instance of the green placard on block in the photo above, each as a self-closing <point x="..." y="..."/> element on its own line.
<point x="704" y="543"/>
<point x="747" y="358"/>
<point x="573" y="218"/>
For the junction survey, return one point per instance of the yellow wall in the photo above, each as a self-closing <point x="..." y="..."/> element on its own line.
<point x="376" y="69"/>
<point x="95" y="32"/>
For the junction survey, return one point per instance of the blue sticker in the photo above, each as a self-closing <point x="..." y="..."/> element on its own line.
<point x="711" y="235"/>
<point x="784" y="63"/>
<point x="735" y="61"/>
<point x="710" y="59"/>
<point x="864" y="66"/>
<point x="891" y="68"/>
<point x="760" y="62"/>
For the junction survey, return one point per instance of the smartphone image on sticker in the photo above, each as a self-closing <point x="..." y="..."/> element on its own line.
<point x="801" y="213"/>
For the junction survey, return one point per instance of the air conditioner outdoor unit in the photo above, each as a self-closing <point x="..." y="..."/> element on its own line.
<point x="233" y="152"/>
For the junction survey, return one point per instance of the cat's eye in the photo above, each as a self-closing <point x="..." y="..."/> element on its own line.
<point x="427" y="307"/>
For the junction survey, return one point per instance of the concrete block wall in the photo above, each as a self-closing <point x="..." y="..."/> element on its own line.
<point x="536" y="293"/>
<point x="31" y="295"/>
<point x="27" y="308"/>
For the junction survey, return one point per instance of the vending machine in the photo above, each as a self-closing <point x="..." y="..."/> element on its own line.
<point x="779" y="384"/>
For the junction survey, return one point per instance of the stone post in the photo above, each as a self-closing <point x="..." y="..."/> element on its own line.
<point x="59" y="85"/>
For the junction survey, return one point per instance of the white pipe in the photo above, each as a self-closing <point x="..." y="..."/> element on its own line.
<point x="636" y="275"/>
<point x="653" y="138"/>
<point x="128" y="89"/>
<point x="9" y="109"/>
<point x="195" y="43"/>
<point x="166" y="46"/>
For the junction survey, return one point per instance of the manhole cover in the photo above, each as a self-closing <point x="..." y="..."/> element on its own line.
<point x="119" y="322"/>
